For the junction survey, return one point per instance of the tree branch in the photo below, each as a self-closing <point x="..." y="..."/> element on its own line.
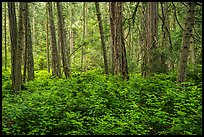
<point x="133" y="18"/>
<point x="176" y="17"/>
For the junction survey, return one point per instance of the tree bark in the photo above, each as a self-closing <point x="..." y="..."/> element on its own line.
<point x="47" y="41"/>
<point x="5" y="48"/>
<point x="62" y="35"/>
<point x="112" y="31"/>
<point x="190" y="17"/>
<point x="143" y="40"/>
<point x="30" y="63"/>
<point x="83" y="59"/>
<point x="154" y="62"/>
<point x="102" y="36"/>
<point x="15" y="47"/>
<point x="71" y="31"/>
<point x="120" y="59"/>
<point x="55" y="57"/>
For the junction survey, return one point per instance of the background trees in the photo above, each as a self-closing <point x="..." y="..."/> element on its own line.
<point x="137" y="37"/>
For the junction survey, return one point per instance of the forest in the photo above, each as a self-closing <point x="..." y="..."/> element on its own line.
<point x="101" y="68"/>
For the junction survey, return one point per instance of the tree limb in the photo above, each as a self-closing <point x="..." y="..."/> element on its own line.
<point x="176" y="17"/>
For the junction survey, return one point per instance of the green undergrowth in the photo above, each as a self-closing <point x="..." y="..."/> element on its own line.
<point x="91" y="103"/>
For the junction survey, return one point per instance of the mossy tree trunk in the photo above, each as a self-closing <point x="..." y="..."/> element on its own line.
<point x="186" y="41"/>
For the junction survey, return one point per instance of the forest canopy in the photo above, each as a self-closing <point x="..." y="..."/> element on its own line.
<point x="101" y="68"/>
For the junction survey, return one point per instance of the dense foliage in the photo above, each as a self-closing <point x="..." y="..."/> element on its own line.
<point x="91" y="103"/>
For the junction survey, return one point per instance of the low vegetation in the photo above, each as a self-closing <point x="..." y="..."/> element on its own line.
<point x="92" y="103"/>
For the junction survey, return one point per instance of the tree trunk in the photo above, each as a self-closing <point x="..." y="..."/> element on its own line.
<point x="114" y="37"/>
<point x="83" y="59"/>
<point x="15" y="46"/>
<point x="102" y="36"/>
<point x="62" y="35"/>
<point x="55" y="57"/>
<point x="143" y="40"/>
<point x="30" y="63"/>
<point x="71" y="32"/>
<point x="112" y="31"/>
<point x="154" y="61"/>
<point x="192" y="51"/>
<point x="186" y="41"/>
<point x="47" y="41"/>
<point x="120" y="59"/>
<point x="5" y="48"/>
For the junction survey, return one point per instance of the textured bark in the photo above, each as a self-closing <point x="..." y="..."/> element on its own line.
<point x="143" y="40"/>
<point x="55" y="56"/>
<point x="62" y="35"/>
<point x="5" y="47"/>
<point x="102" y="37"/>
<point x="192" y="51"/>
<point x="114" y="37"/>
<point x="153" y="57"/>
<point x="71" y="32"/>
<point x="112" y="31"/>
<point x="122" y="43"/>
<point x="47" y="41"/>
<point x="120" y="59"/>
<point x="83" y="58"/>
<point x="25" y="57"/>
<point x="15" y="47"/>
<point x="30" y="63"/>
<point x="190" y="17"/>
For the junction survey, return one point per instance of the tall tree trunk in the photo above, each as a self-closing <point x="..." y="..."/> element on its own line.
<point x="55" y="57"/>
<point x="62" y="35"/>
<point x="143" y="40"/>
<point x="165" y="38"/>
<point x="102" y="36"/>
<point x="47" y="41"/>
<point x="25" y="57"/>
<point x="114" y="36"/>
<point x="71" y="32"/>
<point x="5" y="47"/>
<point x="112" y="31"/>
<point x="30" y="63"/>
<point x="15" y="46"/>
<point x="120" y="59"/>
<point x="153" y="56"/>
<point x="122" y="42"/>
<point x="83" y="59"/>
<point x="186" y="41"/>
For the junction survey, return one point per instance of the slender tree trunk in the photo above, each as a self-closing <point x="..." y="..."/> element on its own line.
<point x="5" y="47"/>
<point x="123" y="49"/>
<point x="62" y="41"/>
<point x="55" y="57"/>
<point x="102" y="36"/>
<point x="143" y="40"/>
<point x="30" y="62"/>
<point x="114" y="36"/>
<point x="190" y="17"/>
<point x="112" y="31"/>
<point x="71" y="31"/>
<point x="25" y="48"/>
<point x="47" y="41"/>
<point x="83" y="59"/>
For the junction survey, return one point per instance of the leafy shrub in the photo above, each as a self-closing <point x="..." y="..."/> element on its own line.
<point x="91" y="103"/>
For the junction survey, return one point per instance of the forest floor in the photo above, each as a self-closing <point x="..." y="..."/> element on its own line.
<point x="91" y="103"/>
